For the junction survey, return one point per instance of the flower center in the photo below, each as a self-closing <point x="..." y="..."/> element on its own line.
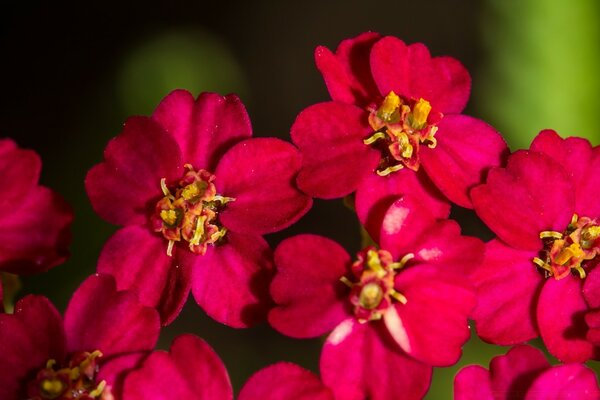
<point x="75" y="381"/>
<point x="570" y="250"/>
<point x="401" y="126"/>
<point x="373" y="292"/>
<point x="191" y="213"/>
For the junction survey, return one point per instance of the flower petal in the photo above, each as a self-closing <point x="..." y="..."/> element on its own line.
<point x="361" y="361"/>
<point x="508" y="285"/>
<point x="532" y="194"/>
<point x="259" y="174"/>
<point x="191" y="370"/>
<point x="204" y="128"/>
<point x="307" y="288"/>
<point x="335" y="159"/>
<point x="466" y="150"/>
<point x="347" y="73"/>
<point x="36" y="236"/>
<point x="560" y="315"/>
<point x="117" y="324"/>
<point x="591" y="288"/>
<point x="283" y="381"/>
<point x="473" y="383"/>
<point x="231" y="281"/>
<point x="571" y="381"/>
<point x="138" y="261"/>
<point x="115" y="370"/>
<point x="513" y="373"/>
<point x="592" y="319"/>
<point x="124" y="187"/>
<point x="19" y="174"/>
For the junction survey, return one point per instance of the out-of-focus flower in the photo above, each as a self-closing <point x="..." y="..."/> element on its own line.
<point x="104" y="334"/>
<point x="190" y="370"/>
<point x="196" y="195"/>
<point x="284" y="381"/>
<point x="544" y="208"/>
<point x="34" y="220"/>
<point x="525" y="374"/>
<point x="394" y="312"/>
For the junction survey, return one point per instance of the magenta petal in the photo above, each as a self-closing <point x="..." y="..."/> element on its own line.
<point x="560" y="314"/>
<point x="123" y="187"/>
<point x="284" y="381"/>
<point x="591" y="288"/>
<point x="376" y="194"/>
<point x="231" y="281"/>
<point x="335" y="159"/>
<point x="138" y="261"/>
<point x="513" y="373"/>
<point x="35" y="237"/>
<point x="307" y="287"/>
<point x="347" y="73"/>
<point x="19" y="174"/>
<point x="592" y="319"/>
<point x="28" y="339"/>
<point x="571" y="381"/>
<point x="432" y="326"/>
<point x="533" y="194"/>
<point x="117" y="324"/>
<point x="191" y="370"/>
<point x="508" y="285"/>
<point x="361" y="361"/>
<point x="390" y="66"/>
<point x="259" y="174"/>
<point x="473" y="383"/>
<point x="204" y="128"/>
<point x="466" y="149"/>
<point x="115" y="369"/>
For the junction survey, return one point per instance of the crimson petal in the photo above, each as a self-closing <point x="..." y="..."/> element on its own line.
<point x="473" y="383"/>
<point x="571" y="381"/>
<point x="19" y="174"/>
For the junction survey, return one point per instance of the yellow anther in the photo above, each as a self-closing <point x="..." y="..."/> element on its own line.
<point x="580" y="271"/>
<point x="374" y="262"/>
<point x="574" y="219"/>
<point x="542" y="264"/>
<point x="591" y="233"/>
<point x="169" y="217"/>
<point x="194" y="190"/>
<point x="375" y="137"/>
<point x="565" y="255"/>
<point x="389" y="170"/>
<point x="398" y="296"/>
<point x="420" y="113"/>
<point x="199" y="231"/>
<point x="99" y="389"/>
<point x="346" y="282"/>
<point x="52" y="387"/>
<point x="370" y="296"/>
<point x="551" y="235"/>
<point x="50" y="363"/>
<point x="406" y="259"/>
<point x="165" y="189"/>
<point x="222" y="199"/>
<point x="170" y="248"/>
<point x="431" y="138"/>
<point x="388" y="111"/>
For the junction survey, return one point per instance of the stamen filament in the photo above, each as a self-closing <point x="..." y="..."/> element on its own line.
<point x="346" y="282"/>
<point x="165" y="189"/>
<point x="375" y="137"/>
<point x="551" y="235"/>
<point x="99" y="389"/>
<point x="398" y="296"/>
<point x="170" y="248"/>
<point x="389" y="170"/>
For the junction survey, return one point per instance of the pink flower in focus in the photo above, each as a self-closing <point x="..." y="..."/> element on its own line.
<point x="394" y="312"/>
<point x="525" y="374"/>
<point x="544" y="208"/>
<point x="395" y="109"/>
<point x="34" y="220"/>
<point x="42" y="357"/>
<point x="195" y="195"/>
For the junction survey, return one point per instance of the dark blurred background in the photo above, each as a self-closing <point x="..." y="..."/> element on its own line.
<point x="70" y="75"/>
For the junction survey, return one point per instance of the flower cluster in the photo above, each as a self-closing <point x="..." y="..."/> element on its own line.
<point x="194" y="194"/>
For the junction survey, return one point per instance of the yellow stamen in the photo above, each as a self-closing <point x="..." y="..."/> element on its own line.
<point x="398" y="296"/>
<point x="389" y="170"/>
<point x="374" y="263"/>
<point x="542" y="264"/>
<point x="551" y="235"/>
<point x="580" y="271"/>
<point x="52" y="387"/>
<point x="223" y="199"/>
<point x="99" y="389"/>
<point x="165" y="189"/>
<point x="375" y="137"/>
<point x="370" y="296"/>
<point x="50" y="364"/>
<point x="199" y="231"/>
<point x="420" y="113"/>
<point x="170" y="248"/>
<point x="346" y="282"/>
<point x="591" y="233"/>
<point x="388" y="111"/>
<point x="194" y="190"/>
<point x="169" y="217"/>
<point x="565" y="255"/>
<point x="406" y="259"/>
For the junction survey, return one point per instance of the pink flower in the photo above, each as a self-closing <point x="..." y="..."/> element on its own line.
<point x="190" y="370"/>
<point x="524" y="373"/>
<point x="284" y="381"/>
<point x="34" y="221"/>
<point x="544" y="208"/>
<point x="196" y="195"/>
<point x="394" y="109"/>
<point x="591" y="293"/>
<point x="42" y="357"/>
<point x="394" y="312"/>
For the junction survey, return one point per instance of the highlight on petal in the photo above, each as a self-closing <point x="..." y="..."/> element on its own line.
<point x="283" y="381"/>
<point x="335" y="159"/>
<point x="260" y="175"/>
<point x="126" y="185"/>
<point x="206" y="127"/>
<point x="190" y="370"/>
<point x="231" y="281"/>
<point x="467" y="148"/>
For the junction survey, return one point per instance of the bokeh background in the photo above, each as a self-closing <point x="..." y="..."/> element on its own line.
<point x="71" y="74"/>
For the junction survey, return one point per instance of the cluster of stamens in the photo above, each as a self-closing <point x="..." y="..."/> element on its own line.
<point x="190" y="214"/>
<point x="374" y="290"/>
<point x="570" y="250"/>
<point x="401" y="126"/>
<point x="75" y="381"/>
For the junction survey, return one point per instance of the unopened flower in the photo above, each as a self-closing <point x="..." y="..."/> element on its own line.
<point x="525" y="374"/>
<point x="394" y="311"/>
<point x="104" y="334"/>
<point x="34" y="220"/>
<point x="196" y="194"/>
<point x="544" y="208"/>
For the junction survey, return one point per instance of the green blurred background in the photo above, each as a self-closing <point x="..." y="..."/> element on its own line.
<point x="72" y="74"/>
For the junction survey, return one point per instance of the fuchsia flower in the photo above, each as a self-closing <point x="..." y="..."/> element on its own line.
<point x="394" y="312"/>
<point x="534" y="281"/>
<point x="284" y="381"/>
<point x="104" y="334"/>
<point x="524" y="373"/>
<point x="394" y="109"/>
<point x="34" y="220"/>
<point x="196" y="195"/>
